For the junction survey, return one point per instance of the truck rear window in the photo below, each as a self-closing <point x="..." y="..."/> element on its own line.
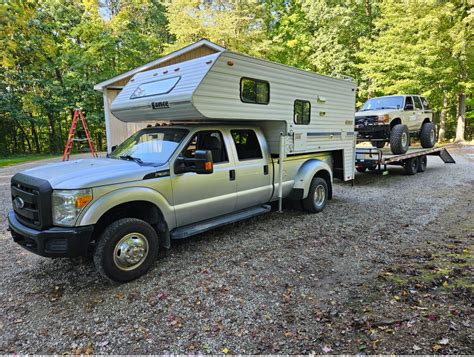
<point x="247" y="145"/>
<point x="159" y="87"/>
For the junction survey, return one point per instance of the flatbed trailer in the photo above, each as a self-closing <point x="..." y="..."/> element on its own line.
<point x="413" y="161"/>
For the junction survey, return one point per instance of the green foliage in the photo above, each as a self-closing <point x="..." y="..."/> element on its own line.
<point x="54" y="51"/>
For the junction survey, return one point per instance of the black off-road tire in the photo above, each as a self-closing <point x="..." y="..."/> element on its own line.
<point x="399" y="133"/>
<point x="422" y="162"/>
<point x="310" y="203"/>
<point x="378" y="144"/>
<point x="411" y="166"/>
<point x="105" y="247"/>
<point x="428" y="135"/>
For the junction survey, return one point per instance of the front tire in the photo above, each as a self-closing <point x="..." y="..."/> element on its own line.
<point x="126" y="250"/>
<point x="428" y="135"/>
<point x="317" y="196"/>
<point x="399" y="139"/>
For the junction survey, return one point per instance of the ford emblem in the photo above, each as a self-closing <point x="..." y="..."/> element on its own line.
<point x="19" y="203"/>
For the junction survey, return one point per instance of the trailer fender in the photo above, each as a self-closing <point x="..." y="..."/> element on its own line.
<point x="125" y="195"/>
<point x="305" y="175"/>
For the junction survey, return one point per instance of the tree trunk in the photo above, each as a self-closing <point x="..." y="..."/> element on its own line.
<point x="461" y="117"/>
<point x="34" y="133"/>
<point x="52" y="134"/>
<point x="442" y="119"/>
<point x="25" y="137"/>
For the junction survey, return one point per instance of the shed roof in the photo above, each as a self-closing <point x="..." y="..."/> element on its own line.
<point x="201" y="43"/>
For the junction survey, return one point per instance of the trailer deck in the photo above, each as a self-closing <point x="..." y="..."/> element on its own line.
<point x="372" y="158"/>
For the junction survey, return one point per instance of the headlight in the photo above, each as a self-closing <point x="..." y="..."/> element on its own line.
<point x="67" y="204"/>
<point x="384" y="118"/>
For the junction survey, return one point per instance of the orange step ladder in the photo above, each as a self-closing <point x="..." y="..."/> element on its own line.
<point x="70" y="139"/>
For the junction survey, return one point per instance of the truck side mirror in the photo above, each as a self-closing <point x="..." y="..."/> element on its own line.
<point x="112" y="149"/>
<point x="201" y="163"/>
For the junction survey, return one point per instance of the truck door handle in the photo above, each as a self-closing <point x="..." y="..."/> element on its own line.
<point x="265" y="169"/>
<point x="232" y="175"/>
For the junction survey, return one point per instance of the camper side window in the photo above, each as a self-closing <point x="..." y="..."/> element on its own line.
<point x="254" y="91"/>
<point x="247" y="145"/>
<point x="302" y="112"/>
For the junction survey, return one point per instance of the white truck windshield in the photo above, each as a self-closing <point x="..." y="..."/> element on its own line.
<point x="151" y="146"/>
<point x="395" y="102"/>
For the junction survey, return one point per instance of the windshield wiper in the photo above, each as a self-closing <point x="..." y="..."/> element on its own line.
<point x="131" y="158"/>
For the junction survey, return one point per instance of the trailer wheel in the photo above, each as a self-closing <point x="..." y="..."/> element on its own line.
<point x="378" y="144"/>
<point x="422" y="162"/>
<point x="126" y="250"/>
<point x="399" y="139"/>
<point x="428" y="135"/>
<point x="411" y="166"/>
<point x="317" y="196"/>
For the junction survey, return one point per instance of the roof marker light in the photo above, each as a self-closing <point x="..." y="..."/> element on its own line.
<point x="230" y="63"/>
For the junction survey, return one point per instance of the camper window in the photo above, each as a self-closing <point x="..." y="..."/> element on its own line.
<point x="247" y="145"/>
<point x="254" y="91"/>
<point x="155" y="88"/>
<point x="302" y="112"/>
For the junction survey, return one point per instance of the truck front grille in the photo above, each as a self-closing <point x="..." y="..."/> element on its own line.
<point x="25" y="203"/>
<point x="31" y="200"/>
<point x="365" y="120"/>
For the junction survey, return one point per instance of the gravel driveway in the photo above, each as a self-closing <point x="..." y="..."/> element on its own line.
<point x="279" y="283"/>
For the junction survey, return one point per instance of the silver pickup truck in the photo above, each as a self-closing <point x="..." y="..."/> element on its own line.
<point x="162" y="183"/>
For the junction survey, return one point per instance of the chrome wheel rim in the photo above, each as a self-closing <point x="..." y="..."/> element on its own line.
<point x="131" y="251"/>
<point x="404" y="139"/>
<point x="319" y="196"/>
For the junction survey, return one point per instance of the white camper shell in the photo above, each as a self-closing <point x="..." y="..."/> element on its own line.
<point x="315" y="113"/>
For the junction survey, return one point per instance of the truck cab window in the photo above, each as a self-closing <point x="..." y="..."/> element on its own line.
<point x="247" y="145"/>
<point x="254" y="91"/>
<point x="417" y="103"/>
<point x="409" y="104"/>
<point x="426" y="105"/>
<point x="302" y="112"/>
<point x="208" y="140"/>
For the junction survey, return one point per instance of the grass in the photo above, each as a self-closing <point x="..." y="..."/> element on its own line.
<point x="18" y="159"/>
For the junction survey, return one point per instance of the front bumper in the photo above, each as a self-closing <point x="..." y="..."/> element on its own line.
<point x="52" y="242"/>
<point x="373" y="131"/>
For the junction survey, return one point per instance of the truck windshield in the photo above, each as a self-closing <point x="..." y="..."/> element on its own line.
<point x="151" y="146"/>
<point x="395" y="102"/>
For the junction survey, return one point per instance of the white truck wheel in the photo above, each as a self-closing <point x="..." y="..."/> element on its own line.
<point x="317" y="196"/>
<point x="126" y="250"/>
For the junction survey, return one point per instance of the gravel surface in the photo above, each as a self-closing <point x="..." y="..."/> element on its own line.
<point x="279" y="283"/>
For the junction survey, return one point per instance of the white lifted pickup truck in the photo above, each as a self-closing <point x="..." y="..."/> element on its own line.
<point x="394" y="119"/>
<point x="164" y="182"/>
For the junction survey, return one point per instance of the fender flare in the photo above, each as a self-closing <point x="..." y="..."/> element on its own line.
<point x="129" y="194"/>
<point x="306" y="173"/>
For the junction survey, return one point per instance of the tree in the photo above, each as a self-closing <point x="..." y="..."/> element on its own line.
<point x="236" y="25"/>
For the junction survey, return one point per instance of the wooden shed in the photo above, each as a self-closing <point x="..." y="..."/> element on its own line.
<point x="117" y="130"/>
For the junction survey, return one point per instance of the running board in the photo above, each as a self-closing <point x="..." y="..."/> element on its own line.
<point x="200" y="227"/>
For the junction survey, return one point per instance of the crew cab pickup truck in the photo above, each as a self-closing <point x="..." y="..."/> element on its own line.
<point x="394" y="119"/>
<point x="162" y="183"/>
